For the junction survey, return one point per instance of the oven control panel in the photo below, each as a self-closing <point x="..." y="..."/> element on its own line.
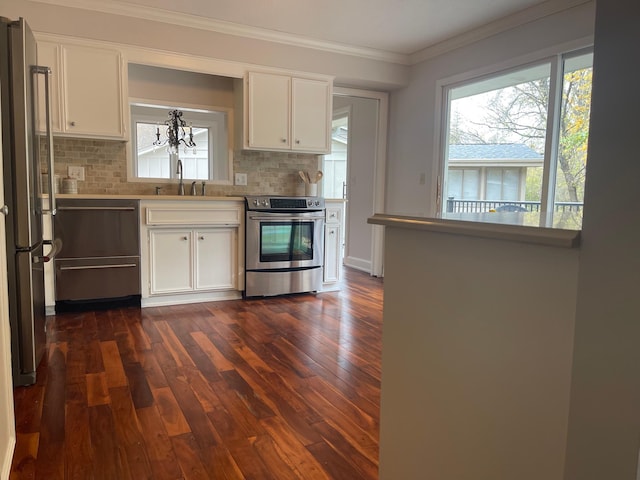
<point x="273" y="203"/>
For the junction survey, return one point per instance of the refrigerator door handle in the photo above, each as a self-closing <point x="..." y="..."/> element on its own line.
<point x="55" y="250"/>
<point x="46" y="71"/>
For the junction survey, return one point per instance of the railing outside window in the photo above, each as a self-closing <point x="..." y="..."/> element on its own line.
<point x="481" y="206"/>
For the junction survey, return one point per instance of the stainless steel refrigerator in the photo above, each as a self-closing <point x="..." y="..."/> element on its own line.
<point x="22" y="169"/>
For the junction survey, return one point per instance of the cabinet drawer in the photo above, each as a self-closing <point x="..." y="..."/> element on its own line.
<point x="333" y="215"/>
<point x="97" y="228"/>
<point x="193" y="216"/>
<point x="97" y="278"/>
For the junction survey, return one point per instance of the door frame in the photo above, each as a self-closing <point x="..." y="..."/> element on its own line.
<point x="379" y="179"/>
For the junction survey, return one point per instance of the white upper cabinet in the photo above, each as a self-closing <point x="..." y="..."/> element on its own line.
<point x="86" y="88"/>
<point x="286" y="113"/>
<point x="269" y="111"/>
<point x="92" y="80"/>
<point x="49" y="56"/>
<point x="310" y="115"/>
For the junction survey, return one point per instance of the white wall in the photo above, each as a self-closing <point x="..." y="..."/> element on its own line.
<point x="348" y="69"/>
<point x="413" y="109"/>
<point x="476" y="357"/>
<point x="603" y="422"/>
<point x="604" y="427"/>
<point x="180" y="88"/>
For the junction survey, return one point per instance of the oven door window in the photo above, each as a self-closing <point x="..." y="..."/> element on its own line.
<point x="286" y="241"/>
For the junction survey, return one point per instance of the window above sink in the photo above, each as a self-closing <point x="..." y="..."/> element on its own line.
<point x="211" y="158"/>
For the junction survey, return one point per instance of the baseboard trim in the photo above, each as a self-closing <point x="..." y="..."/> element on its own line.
<point x="5" y="469"/>
<point x="358" y="263"/>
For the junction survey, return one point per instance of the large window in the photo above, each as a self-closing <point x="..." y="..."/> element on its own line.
<point x="209" y="160"/>
<point x="517" y="140"/>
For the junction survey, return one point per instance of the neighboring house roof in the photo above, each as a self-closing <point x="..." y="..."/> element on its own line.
<point x="494" y="154"/>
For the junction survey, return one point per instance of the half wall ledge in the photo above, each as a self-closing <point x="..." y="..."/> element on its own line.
<point x="514" y="227"/>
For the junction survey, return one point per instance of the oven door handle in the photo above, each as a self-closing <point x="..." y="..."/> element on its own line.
<point x="275" y="218"/>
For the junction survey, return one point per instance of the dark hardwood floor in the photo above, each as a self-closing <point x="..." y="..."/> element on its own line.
<point x="279" y="388"/>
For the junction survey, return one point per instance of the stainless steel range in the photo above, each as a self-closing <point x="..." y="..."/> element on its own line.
<point x="284" y="245"/>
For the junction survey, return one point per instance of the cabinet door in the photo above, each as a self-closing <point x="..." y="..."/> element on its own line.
<point x="311" y="106"/>
<point x="171" y="261"/>
<point x="332" y="253"/>
<point x="269" y="111"/>
<point x="92" y="91"/>
<point x="49" y="56"/>
<point x="216" y="258"/>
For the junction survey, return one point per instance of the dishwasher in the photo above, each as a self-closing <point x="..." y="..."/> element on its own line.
<point x="99" y="263"/>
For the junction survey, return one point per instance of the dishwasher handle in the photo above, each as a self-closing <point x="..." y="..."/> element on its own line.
<point x="116" y="209"/>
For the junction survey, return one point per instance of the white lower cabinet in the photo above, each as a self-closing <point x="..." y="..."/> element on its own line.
<point x="192" y="251"/>
<point x="332" y="253"/>
<point x="171" y="261"/>
<point x="333" y="241"/>
<point x="215" y="258"/>
<point x="191" y="260"/>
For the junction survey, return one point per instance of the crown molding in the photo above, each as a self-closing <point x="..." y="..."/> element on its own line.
<point x="517" y="19"/>
<point x="228" y="28"/>
<point x="528" y="15"/>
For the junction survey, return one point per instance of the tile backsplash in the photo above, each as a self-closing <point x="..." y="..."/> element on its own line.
<point x="105" y="165"/>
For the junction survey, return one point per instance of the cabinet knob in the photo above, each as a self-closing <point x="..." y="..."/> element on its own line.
<point x="332" y="232"/>
<point x="297" y="141"/>
<point x="283" y="140"/>
<point x="4" y="210"/>
<point x="185" y="238"/>
<point x="73" y="124"/>
<point x="332" y="215"/>
<point x="202" y="237"/>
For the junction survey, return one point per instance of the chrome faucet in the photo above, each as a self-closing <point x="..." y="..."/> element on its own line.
<point x="193" y="188"/>
<point x="179" y="172"/>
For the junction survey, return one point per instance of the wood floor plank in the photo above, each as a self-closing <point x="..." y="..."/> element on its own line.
<point x="344" y="448"/>
<point x="152" y="371"/>
<point x="24" y="456"/>
<point x="97" y="389"/>
<point x="77" y="447"/>
<point x="50" y="459"/>
<point x="138" y="385"/>
<point x="274" y="458"/>
<point x="173" y="345"/>
<point x="162" y="457"/>
<point x="129" y="434"/>
<point x="107" y="460"/>
<point x="113" y="364"/>
<point x="276" y="388"/>
<point x="170" y="412"/>
<point x="296" y="455"/>
<point x="187" y="453"/>
<point x="218" y="360"/>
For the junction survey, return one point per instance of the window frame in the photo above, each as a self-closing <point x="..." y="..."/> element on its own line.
<point x="554" y="57"/>
<point x="217" y="153"/>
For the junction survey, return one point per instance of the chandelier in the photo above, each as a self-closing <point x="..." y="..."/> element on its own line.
<point x="176" y="134"/>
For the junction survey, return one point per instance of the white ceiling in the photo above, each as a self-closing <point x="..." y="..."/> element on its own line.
<point x="392" y="27"/>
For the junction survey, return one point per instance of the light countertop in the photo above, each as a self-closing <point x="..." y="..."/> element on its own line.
<point x="186" y="198"/>
<point x="518" y="227"/>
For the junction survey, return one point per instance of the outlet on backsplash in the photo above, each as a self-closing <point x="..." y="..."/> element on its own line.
<point x="241" y="179"/>
<point x="75" y="171"/>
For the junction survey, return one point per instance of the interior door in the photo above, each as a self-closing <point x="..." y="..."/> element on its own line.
<point x="367" y="127"/>
<point x="335" y="167"/>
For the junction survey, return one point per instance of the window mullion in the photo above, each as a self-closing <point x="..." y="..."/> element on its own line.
<point x="551" y="143"/>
